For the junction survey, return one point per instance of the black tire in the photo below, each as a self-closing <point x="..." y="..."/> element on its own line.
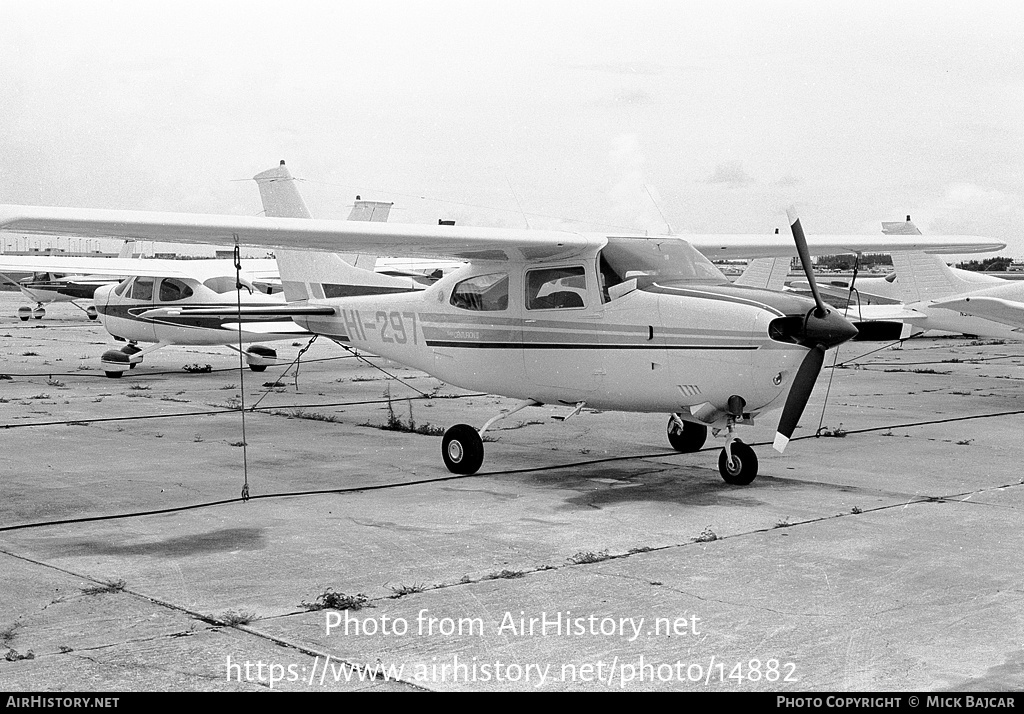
<point x="462" y="449"/>
<point x="743" y="470"/>
<point x="113" y="375"/>
<point x="25" y="318"/>
<point x="691" y="438"/>
<point x="258" y="367"/>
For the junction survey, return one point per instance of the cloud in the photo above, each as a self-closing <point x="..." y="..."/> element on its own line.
<point x="633" y="97"/>
<point x="968" y="208"/>
<point x="730" y="173"/>
<point x="632" y="199"/>
<point x="644" y="68"/>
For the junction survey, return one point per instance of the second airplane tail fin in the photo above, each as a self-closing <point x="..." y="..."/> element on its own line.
<point x="920" y="276"/>
<point x="373" y="211"/>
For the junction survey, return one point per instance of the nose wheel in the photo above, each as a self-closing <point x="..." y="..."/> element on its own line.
<point x="740" y="467"/>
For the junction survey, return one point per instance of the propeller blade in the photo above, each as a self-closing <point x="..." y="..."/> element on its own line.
<point x="805" y="258"/>
<point x="799" y="393"/>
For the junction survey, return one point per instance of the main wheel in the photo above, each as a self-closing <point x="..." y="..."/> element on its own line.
<point x="462" y="449"/>
<point x="743" y="468"/>
<point x="688" y="439"/>
<point x="258" y="367"/>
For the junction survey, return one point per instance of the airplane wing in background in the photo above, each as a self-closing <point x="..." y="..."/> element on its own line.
<point x="68" y="265"/>
<point x="427" y="241"/>
<point x="1006" y="312"/>
<point x="126" y="267"/>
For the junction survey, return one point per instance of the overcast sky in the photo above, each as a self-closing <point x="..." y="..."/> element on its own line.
<point x="589" y="115"/>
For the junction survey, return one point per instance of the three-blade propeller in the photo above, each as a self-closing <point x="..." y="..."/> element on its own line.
<point x="820" y="329"/>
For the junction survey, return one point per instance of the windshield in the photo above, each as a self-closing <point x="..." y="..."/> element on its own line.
<point x="661" y="260"/>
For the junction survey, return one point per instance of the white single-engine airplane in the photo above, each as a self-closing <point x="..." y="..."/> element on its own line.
<point x="44" y="286"/>
<point x="612" y="322"/>
<point x="143" y="303"/>
<point x="924" y="293"/>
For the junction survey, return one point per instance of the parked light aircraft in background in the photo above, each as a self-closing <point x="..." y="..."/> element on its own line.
<point x="925" y="293"/>
<point x="129" y="304"/>
<point x="613" y="322"/>
<point x="44" y="287"/>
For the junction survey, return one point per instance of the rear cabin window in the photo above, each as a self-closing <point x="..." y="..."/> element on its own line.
<point x="556" y="288"/>
<point x="221" y="284"/>
<point x="486" y="293"/>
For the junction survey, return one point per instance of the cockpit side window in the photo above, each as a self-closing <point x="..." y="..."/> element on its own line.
<point x="142" y="289"/>
<point x="487" y="293"/>
<point x="556" y="288"/>
<point x="172" y="289"/>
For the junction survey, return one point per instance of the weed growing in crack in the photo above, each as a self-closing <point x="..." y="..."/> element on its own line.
<point x="330" y="599"/>
<point x="111" y="586"/>
<point x="584" y="557"/>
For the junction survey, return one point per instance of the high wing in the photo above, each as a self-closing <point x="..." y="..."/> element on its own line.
<point x="427" y="241"/>
<point x="1006" y="312"/>
<point x="93" y="266"/>
<point x="126" y="267"/>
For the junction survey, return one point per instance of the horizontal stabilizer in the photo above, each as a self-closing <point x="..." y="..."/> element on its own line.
<point x="267" y="328"/>
<point x="281" y="310"/>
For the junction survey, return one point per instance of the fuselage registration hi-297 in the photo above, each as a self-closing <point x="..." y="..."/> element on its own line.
<point x="643" y="324"/>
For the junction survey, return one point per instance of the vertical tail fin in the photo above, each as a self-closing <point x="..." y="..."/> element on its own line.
<point x="305" y="274"/>
<point x="920" y="276"/>
<point x="768" y="273"/>
<point x="373" y="211"/>
<point x="280" y="197"/>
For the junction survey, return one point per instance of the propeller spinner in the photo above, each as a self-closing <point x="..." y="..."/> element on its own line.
<point x="818" y="330"/>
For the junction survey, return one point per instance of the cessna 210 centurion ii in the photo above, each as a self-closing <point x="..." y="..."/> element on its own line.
<point x="631" y="323"/>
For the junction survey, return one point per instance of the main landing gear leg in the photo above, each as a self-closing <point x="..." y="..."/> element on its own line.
<point x="462" y="447"/>
<point x="737" y="463"/>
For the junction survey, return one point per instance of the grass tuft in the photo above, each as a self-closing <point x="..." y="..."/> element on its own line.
<point x="330" y="599"/>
